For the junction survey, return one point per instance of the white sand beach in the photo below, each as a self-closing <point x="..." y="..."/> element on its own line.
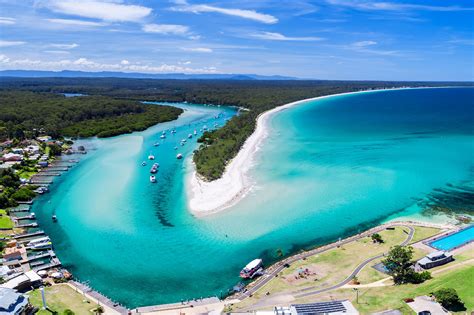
<point x="206" y="198"/>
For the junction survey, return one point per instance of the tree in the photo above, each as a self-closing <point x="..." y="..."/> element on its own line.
<point x="398" y="263"/>
<point x="448" y="297"/>
<point x="376" y="238"/>
<point x="55" y="150"/>
<point x="68" y="312"/>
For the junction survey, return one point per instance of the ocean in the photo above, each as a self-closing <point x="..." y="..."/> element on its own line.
<point x="328" y="168"/>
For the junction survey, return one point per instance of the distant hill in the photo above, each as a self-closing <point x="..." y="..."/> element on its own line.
<point x="136" y="75"/>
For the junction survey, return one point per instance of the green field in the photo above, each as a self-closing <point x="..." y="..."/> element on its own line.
<point x="60" y="298"/>
<point x="5" y="221"/>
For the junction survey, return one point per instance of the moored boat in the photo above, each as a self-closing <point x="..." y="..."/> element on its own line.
<point x="152" y="179"/>
<point x="151" y="157"/>
<point x="179" y="156"/>
<point x="252" y="269"/>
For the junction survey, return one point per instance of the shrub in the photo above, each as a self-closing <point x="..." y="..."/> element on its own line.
<point x="448" y="297"/>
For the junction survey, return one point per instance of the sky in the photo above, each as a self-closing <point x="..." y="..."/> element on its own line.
<point x="317" y="39"/>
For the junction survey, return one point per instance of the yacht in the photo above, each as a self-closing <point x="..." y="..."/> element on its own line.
<point x="179" y="156"/>
<point x="152" y="179"/>
<point x="252" y="269"/>
<point x="40" y="243"/>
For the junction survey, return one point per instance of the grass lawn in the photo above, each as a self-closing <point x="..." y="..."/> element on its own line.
<point x="59" y="298"/>
<point x="5" y="221"/>
<point x="422" y="233"/>
<point x="391" y="297"/>
<point x="26" y="174"/>
<point x="335" y="265"/>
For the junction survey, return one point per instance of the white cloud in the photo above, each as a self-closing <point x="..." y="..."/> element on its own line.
<point x="166" y="29"/>
<point x="125" y="62"/>
<point x="281" y="37"/>
<point x="85" y="64"/>
<point x="184" y="6"/>
<point x="96" y="9"/>
<point x="198" y="49"/>
<point x="393" y="6"/>
<point x="7" y="20"/>
<point x="364" y="43"/>
<point x="76" y="22"/>
<point x="65" y="46"/>
<point x="57" y="52"/>
<point x="7" y="43"/>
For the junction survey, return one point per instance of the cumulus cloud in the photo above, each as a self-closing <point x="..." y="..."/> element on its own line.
<point x="7" y="20"/>
<point x="96" y="9"/>
<point x="74" y="22"/>
<point x="281" y="37"/>
<point x="65" y="46"/>
<point x="85" y="64"/>
<point x="166" y="29"/>
<point x="198" y="49"/>
<point x="184" y="6"/>
<point x="8" y="43"/>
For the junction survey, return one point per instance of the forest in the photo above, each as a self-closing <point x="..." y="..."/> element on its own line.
<point x="217" y="147"/>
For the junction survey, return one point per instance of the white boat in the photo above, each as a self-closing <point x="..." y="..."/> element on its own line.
<point x="156" y="165"/>
<point x="40" y="243"/>
<point x="251" y="269"/>
<point x="183" y="140"/>
<point x="176" y="148"/>
<point x="152" y="179"/>
<point x="190" y="136"/>
<point x="156" y="144"/>
<point x="195" y="132"/>
<point x="163" y="136"/>
<point x="143" y="163"/>
<point x="179" y="156"/>
<point x="151" y="157"/>
<point x="153" y="170"/>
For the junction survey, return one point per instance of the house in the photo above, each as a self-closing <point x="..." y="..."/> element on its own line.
<point x="13" y="253"/>
<point x="12" y="302"/>
<point x="33" y="149"/>
<point x="12" y="157"/>
<point x="329" y="308"/>
<point x="435" y="259"/>
<point x="24" y="282"/>
<point x="44" y="138"/>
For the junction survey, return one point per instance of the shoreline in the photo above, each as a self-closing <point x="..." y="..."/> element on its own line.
<point x="207" y="198"/>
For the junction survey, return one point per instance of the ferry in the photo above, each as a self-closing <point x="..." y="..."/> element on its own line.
<point x="152" y="179"/>
<point x="151" y="157"/>
<point x="179" y="156"/>
<point x="252" y="269"/>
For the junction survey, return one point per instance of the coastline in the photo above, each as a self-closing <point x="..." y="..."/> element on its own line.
<point x="206" y="198"/>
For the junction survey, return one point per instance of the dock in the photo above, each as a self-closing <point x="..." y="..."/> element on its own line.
<point x="27" y="217"/>
<point x="40" y="181"/>
<point x="53" y="264"/>
<point x="27" y="235"/>
<point x="28" y="225"/>
<point x="53" y="173"/>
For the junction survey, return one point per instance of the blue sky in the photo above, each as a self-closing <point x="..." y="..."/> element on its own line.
<point x="324" y="39"/>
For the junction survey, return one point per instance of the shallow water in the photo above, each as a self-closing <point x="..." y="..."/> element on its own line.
<point x="329" y="168"/>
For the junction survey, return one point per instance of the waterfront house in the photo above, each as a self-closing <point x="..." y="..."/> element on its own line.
<point x="24" y="282"/>
<point x="12" y="302"/>
<point x="12" y="157"/>
<point x="435" y="259"/>
<point x="44" y="138"/>
<point x="12" y="253"/>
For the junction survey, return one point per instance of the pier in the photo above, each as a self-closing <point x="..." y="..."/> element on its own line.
<point x="53" y="264"/>
<point x="27" y="217"/>
<point x="27" y="235"/>
<point x="28" y="225"/>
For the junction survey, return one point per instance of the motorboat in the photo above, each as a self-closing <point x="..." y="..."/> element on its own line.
<point x="252" y="269"/>
<point x="152" y="179"/>
<point x="151" y="157"/>
<point x="143" y="163"/>
<point x="179" y="156"/>
<point x="156" y="144"/>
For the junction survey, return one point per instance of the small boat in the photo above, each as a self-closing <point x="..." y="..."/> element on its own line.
<point x="176" y="148"/>
<point x="173" y="131"/>
<point x="195" y="132"/>
<point x="179" y="156"/>
<point x="163" y="136"/>
<point x="156" y="144"/>
<point x="40" y="243"/>
<point x="183" y="140"/>
<point x="156" y="165"/>
<point x="55" y="219"/>
<point x="151" y="157"/>
<point x="190" y="136"/>
<point x="252" y="269"/>
<point x="143" y="163"/>
<point x="204" y="127"/>
<point x="152" y="179"/>
<point x="153" y="170"/>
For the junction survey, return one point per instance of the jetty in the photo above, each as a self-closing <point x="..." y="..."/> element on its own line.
<point x="53" y="264"/>
<point x="27" y="225"/>
<point x="26" y="217"/>
<point x="28" y="235"/>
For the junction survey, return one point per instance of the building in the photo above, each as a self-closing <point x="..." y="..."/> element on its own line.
<point x="24" y="282"/>
<point x="12" y="302"/>
<point x="44" y="138"/>
<point x="10" y="157"/>
<point x="435" y="259"/>
<point x="328" y="308"/>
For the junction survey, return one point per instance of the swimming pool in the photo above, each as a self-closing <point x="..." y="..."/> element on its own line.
<point x="454" y="240"/>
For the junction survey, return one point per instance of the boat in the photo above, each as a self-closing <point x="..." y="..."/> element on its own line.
<point x="143" y="163"/>
<point x="152" y="179"/>
<point x="157" y="165"/>
<point x="173" y="131"/>
<point x="153" y="170"/>
<point x="176" y="148"/>
<point x="163" y="136"/>
<point x="252" y="269"/>
<point x="151" y="157"/>
<point x="179" y="156"/>
<point x="156" y="144"/>
<point x="40" y="243"/>
<point x="195" y="132"/>
<point x="54" y="218"/>
<point x="183" y="140"/>
<point x="190" y="136"/>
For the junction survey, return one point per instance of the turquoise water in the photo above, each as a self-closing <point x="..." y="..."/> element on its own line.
<point x="454" y="240"/>
<point x="328" y="169"/>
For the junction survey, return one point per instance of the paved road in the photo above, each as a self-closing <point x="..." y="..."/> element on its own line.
<point x="270" y="274"/>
